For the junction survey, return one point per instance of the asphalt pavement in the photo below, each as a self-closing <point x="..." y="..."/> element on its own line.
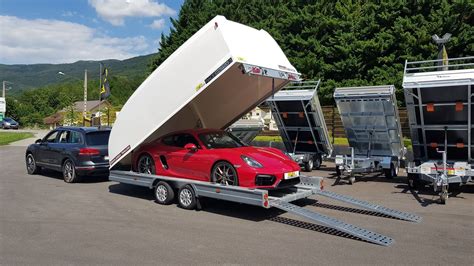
<point x="45" y="221"/>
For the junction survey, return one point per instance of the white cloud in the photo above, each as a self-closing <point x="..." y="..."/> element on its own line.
<point x="157" y="24"/>
<point x="114" y="11"/>
<point x="25" y="41"/>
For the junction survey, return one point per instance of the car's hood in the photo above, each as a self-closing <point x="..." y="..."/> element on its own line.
<point x="268" y="157"/>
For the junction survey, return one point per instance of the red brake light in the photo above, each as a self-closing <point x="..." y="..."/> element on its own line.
<point x="88" y="151"/>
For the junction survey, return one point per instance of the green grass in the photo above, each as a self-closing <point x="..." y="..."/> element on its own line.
<point x="9" y="137"/>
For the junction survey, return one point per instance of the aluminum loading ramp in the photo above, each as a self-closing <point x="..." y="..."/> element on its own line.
<point x="372" y="125"/>
<point x="439" y="106"/>
<point x="300" y="120"/>
<point x="278" y="199"/>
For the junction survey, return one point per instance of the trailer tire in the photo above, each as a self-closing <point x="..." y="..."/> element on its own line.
<point x="391" y="172"/>
<point x="187" y="198"/>
<point x="164" y="193"/>
<point x="308" y="166"/>
<point x="146" y="165"/>
<point x="317" y="162"/>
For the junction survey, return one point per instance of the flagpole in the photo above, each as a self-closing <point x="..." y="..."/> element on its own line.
<point x="100" y="89"/>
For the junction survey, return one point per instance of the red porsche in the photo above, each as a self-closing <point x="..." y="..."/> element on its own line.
<point x="216" y="156"/>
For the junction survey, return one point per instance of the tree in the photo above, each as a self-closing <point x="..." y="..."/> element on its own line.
<point x="344" y="43"/>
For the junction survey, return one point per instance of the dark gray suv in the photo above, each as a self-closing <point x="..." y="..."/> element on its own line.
<point x="75" y="151"/>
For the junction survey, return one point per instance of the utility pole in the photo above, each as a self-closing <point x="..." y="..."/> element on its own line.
<point x="84" y="113"/>
<point x="100" y="90"/>
<point x="4" y="88"/>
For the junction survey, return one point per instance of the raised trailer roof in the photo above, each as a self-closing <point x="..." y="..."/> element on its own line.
<point x="371" y="121"/>
<point x="439" y="106"/>
<point x="219" y="74"/>
<point x="300" y="120"/>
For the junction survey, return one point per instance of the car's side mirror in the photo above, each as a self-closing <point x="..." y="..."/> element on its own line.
<point x="191" y="147"/>
<point x="39" y="141"/>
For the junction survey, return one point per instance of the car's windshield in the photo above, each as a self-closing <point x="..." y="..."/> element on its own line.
<point x="220" y="140"/>
<point x="6" y="119"/>
<point x="98" y="138"/>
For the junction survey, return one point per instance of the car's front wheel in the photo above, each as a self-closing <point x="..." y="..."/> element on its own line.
<point x="31" y="166"/>
<point x="224" y="173"/>
<point x="146" y="165"/>
<point x="69" y="172"/>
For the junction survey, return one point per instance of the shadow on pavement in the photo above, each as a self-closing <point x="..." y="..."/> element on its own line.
<point x="248" y="212"/>
<point x="83" y="179"/>
<point x="422" y="194"/>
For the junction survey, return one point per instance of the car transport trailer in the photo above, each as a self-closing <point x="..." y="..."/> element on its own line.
<point x="439" y="105"/>
<point x="218" y="75"/>
<point x="189" y="192"/>
<point x="371" y="121"/>
<point x="300" y="120"/>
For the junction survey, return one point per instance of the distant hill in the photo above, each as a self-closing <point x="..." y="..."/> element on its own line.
<point x="26" y="77"/>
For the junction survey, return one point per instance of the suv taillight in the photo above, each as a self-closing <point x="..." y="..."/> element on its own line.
<point x="88" y="151"/>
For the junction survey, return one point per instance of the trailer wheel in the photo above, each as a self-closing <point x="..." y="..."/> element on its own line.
<point x="352" y="180"/>
<point x="317" y="162"/>
<point x="164" y="193"/>
<point x="443" y="197"/>
<point x="390" y="173"/>
<point x="187" y="198"/>
<point x="308" y="166"/>
<point x="31" y="166"/>
<point x="146" y="165"/>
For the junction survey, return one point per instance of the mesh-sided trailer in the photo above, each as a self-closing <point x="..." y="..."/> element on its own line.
<point x="440" y="113"/>
<point x="246" y="129"/>
<point x="371" y="121"/>
<point x="300" y="120"/>
<point x="234" y="68"/>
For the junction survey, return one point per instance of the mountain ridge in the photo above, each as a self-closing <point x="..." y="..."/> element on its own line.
<point x="32" y="76"/>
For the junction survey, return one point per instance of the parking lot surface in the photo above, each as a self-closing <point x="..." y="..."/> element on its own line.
<point x="43" y="220"/>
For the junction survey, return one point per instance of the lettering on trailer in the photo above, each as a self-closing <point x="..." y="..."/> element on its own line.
<point x="218" y="70"/>
<point x="120" y="154"/>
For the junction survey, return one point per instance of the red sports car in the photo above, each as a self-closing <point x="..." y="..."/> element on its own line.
<point x="216" y="156"/>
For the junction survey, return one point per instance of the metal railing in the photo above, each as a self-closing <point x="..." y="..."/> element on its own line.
<point x="433" y="65"/>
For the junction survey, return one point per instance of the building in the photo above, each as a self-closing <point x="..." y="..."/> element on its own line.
<point x="97" y="113"/>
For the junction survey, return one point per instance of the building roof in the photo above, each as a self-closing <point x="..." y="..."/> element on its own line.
<point x="79" y="106"/>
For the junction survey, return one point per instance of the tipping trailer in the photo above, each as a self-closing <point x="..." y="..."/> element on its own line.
<point x="232" y="69"/>
<point x="246" y="129"/>
<point x="300" y="120"/>
<point x="439" y="106"/>
<point x="371" y="121"/>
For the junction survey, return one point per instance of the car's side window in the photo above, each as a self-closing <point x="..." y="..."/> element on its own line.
<point x="74" y="137"/>
<point x="180" y="140"/>
<point x="63" y="136"/>
<point x="51" y="138"/>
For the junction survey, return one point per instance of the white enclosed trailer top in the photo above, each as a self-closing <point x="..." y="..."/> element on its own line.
<point x="223" y="71"/>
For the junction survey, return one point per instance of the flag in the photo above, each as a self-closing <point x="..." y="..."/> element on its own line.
<point x="105" y="88"/>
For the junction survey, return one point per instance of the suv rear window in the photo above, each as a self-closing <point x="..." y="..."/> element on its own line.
<point x="97" y="138"/>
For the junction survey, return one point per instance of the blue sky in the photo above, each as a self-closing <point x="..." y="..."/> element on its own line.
<point x="64" y="31"/>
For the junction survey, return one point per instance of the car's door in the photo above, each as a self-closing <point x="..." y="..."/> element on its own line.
<point x="185" y="163"/>
<point x="43" y="156"/>
<point x="58" y="148"/>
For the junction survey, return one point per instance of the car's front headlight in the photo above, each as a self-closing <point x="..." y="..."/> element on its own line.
<point x="251" y="162"/>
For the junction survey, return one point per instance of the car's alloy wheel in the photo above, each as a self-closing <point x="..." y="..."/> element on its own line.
<point x="31" y="167"/>
<point x="224" y="173"/>
<point x="146" y="165"/>
<point x="69" y="172"/>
